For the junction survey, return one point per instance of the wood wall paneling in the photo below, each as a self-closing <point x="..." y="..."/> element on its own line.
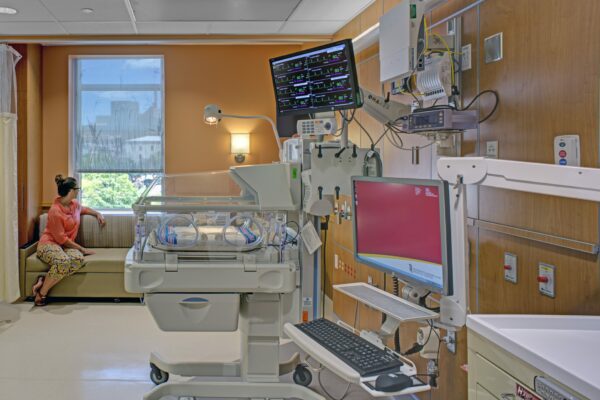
<point x="543" y="93"/>
<point x="29" y="138"/>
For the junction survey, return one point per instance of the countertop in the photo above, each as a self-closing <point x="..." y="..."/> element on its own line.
<point x="566" y="348"/>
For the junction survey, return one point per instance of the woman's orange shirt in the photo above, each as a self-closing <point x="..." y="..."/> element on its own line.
<point x="63" y="222"/>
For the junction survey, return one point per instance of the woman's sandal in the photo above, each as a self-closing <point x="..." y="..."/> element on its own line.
<point x="40" y="300"/>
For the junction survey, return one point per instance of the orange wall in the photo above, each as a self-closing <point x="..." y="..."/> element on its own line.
<point x="235" y="77"/>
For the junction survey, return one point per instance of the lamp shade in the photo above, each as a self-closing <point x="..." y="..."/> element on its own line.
<point x="240" y="143"/>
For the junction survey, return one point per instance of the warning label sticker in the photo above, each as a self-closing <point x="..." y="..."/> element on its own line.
<point x="523" y="393"/>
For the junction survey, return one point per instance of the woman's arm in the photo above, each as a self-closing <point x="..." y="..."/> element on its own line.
<point x="69" y="244"/>
<point x="97" y="214"/>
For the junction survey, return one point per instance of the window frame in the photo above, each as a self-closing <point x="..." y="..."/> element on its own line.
<point x="74" y="89"/>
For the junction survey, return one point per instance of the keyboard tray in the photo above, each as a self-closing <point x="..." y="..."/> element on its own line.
<point x="393" y="306"/>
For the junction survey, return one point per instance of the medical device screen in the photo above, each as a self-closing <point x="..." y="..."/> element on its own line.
<point x="401" y="226"/>
<point x="316" y="80"/>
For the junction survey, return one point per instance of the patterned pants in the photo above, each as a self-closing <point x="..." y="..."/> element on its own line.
<point x="63" y="262"/>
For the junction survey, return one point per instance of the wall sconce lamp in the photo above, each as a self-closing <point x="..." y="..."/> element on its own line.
<point x="213" y="115"/>
<point x="240" y="146"/>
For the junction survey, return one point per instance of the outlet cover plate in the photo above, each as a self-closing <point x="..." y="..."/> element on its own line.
<point x="491" y="149"/>
<point x="548" y="271"/>
<point x="465" y="57"/>
<point x="510" y="274"/>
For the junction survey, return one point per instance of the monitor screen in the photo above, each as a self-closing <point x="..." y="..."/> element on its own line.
<point x="316" y="80"/>
<point x="401" y="226"/>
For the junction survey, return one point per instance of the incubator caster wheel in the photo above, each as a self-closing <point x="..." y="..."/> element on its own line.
<point x="302" y="375"/>
<point x="158" y="376"/>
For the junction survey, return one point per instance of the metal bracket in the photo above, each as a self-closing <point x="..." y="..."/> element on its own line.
<point x="450" y="340"/>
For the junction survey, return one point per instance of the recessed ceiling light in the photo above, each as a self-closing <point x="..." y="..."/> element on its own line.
<point x="87" y="10"/>
<point x="8" y="10"/>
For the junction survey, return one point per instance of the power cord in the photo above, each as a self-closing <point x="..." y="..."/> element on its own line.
<point x="479" y="95"/>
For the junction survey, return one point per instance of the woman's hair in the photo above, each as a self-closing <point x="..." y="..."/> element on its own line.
<point x="64" y="185"/>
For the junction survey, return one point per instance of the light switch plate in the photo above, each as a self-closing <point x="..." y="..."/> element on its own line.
<point x="510" y="260"/>
<point x="492" y="46"/>
<point x="547" y="288"/>
<point x="491" y="149"/>
<point x="465" y="57"/>
<point x="451" y="26"/>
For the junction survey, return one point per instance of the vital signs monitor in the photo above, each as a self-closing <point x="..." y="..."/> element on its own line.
<point x="316" y="80"/>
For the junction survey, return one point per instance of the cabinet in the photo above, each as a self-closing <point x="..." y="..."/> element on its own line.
<point x="495" y="374"/>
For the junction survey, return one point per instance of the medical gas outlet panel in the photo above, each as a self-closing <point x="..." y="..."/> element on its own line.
<point x="329" y="176"/>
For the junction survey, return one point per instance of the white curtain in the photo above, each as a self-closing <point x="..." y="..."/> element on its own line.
<point x="9" y="257"/>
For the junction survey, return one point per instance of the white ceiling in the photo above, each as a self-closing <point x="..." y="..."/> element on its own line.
<point x="170" y="17"/>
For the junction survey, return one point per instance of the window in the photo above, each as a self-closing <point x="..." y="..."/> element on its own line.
<point x="117" y="145"/>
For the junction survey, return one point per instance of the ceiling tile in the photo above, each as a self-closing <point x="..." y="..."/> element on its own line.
<point x="311" y="27"/>
<point x="173" y="28"/>
<point x="30" y="28"/>
<point x="104" y="10"/>
<point x="213" y="10"/>
<point x="245" y="27"/>
<point x="28" y="10"/>
<point x="329" y="10"/>
<point x="98" y="28"/>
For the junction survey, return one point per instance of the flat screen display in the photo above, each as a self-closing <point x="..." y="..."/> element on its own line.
<point x="316" y="80"/>
<point x="401" y="226"/>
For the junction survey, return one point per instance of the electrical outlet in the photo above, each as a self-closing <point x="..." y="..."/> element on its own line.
<point x="546" y="279"/>
<point x="510" y="267"/>
<point x="465" y="57"/>
<point x="491" y="149"/>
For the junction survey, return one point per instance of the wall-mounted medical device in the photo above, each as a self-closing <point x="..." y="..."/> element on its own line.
<point x="331" y="168"/>
<point x="316" y="80"/>
<point x="402" y="38"/>
<point x="440" y="119"/>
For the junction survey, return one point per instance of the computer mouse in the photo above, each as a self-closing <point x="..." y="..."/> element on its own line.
<point x="392" y="382"/>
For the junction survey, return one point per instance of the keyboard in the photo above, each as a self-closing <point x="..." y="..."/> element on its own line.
<point x="360" y="354"/>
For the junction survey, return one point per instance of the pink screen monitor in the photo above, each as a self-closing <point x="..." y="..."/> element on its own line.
<point x="401" y="226"/>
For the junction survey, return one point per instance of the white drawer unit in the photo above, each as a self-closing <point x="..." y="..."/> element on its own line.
<point x="533" y="357"/>
<point x="195" y="312"/>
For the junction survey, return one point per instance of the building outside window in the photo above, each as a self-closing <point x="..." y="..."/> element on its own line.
<point x="117" y="131"/>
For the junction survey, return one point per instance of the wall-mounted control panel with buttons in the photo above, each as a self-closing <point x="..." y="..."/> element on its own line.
<point x="320" y="126"/>
<point x="566" y="150"/>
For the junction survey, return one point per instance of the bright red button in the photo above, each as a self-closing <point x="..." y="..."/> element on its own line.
<point x="542" y="279"/>
<point x="562" y="153"/>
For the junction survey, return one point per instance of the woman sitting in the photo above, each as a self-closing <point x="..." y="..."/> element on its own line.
<point x="57" y="247"/>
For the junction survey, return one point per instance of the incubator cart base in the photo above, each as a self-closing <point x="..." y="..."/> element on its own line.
<point x="233" y="390"/>
<point x="258" y="368"/>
